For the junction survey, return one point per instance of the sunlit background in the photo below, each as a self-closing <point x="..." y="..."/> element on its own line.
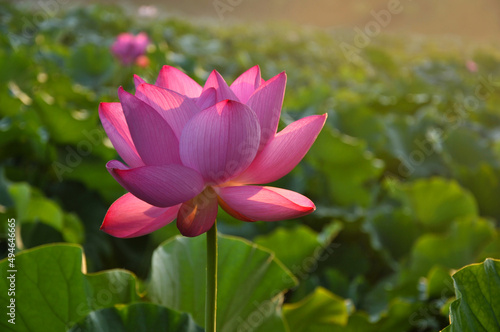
<point x="471" y="20"/>
<point x="405" y="175"/>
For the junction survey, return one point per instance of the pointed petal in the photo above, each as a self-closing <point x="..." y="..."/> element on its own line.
<point x="129" y="217"/>
<point x="115" y="125"/>
<point x="207" y="98"/>
<point x="283" y="152"/>
<point x="246" y="83"/>
<point x="153" y="137"/>
<point x="198" y="215"/>
<point x="221" y="141"/>
<point x="223" y="92"/>
<point x="265" y="203"/>
<point x="138" y="81"/>
<point x="266" y="102"/>
<point x="161" y="186"/>
<point x="173" y="79"/>
<point x="174" y="108"/>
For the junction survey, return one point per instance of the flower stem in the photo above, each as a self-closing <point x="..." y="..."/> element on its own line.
<point x="211" y="295"/>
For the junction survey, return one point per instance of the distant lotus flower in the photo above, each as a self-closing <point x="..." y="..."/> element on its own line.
<point x="471" y="66"/>
<point x="147" y="11"/>
<point x="128" y="48"/>
<point x="189" y="149"/>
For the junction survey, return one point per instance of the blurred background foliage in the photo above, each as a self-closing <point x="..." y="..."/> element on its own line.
<point x="405" y="175"/>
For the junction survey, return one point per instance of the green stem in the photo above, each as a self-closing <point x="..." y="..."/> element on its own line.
<point x="211" y="295"/>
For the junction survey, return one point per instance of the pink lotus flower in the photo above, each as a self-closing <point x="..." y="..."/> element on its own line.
<point x="127" y="47"/>
<point x="190" y="149"/>
<point x="147" y="11"/>
<point x="471" y="66"/>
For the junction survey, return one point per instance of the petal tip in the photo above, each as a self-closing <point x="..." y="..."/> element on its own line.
<point x="166" y="67"/>
<point x="280" y="76"/>
<point x="122" y="93"/>
<point x="103" y="108"/>
<point x="138" y="79"/>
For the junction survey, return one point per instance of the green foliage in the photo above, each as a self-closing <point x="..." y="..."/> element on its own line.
<point x="436" y="202"/>
<point x="345" y="166"/>
<point x="51" y="290"/>
<point x="33" y="208"/>
<point x="405" y="177"/>
<point x="464" y="242"/>
<point x="312" y="244"/>
<point x="318" y="312"/>
<point x="251" y="282"/>
<point x="137" y="317"/>
<point x="478" y="298"/>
